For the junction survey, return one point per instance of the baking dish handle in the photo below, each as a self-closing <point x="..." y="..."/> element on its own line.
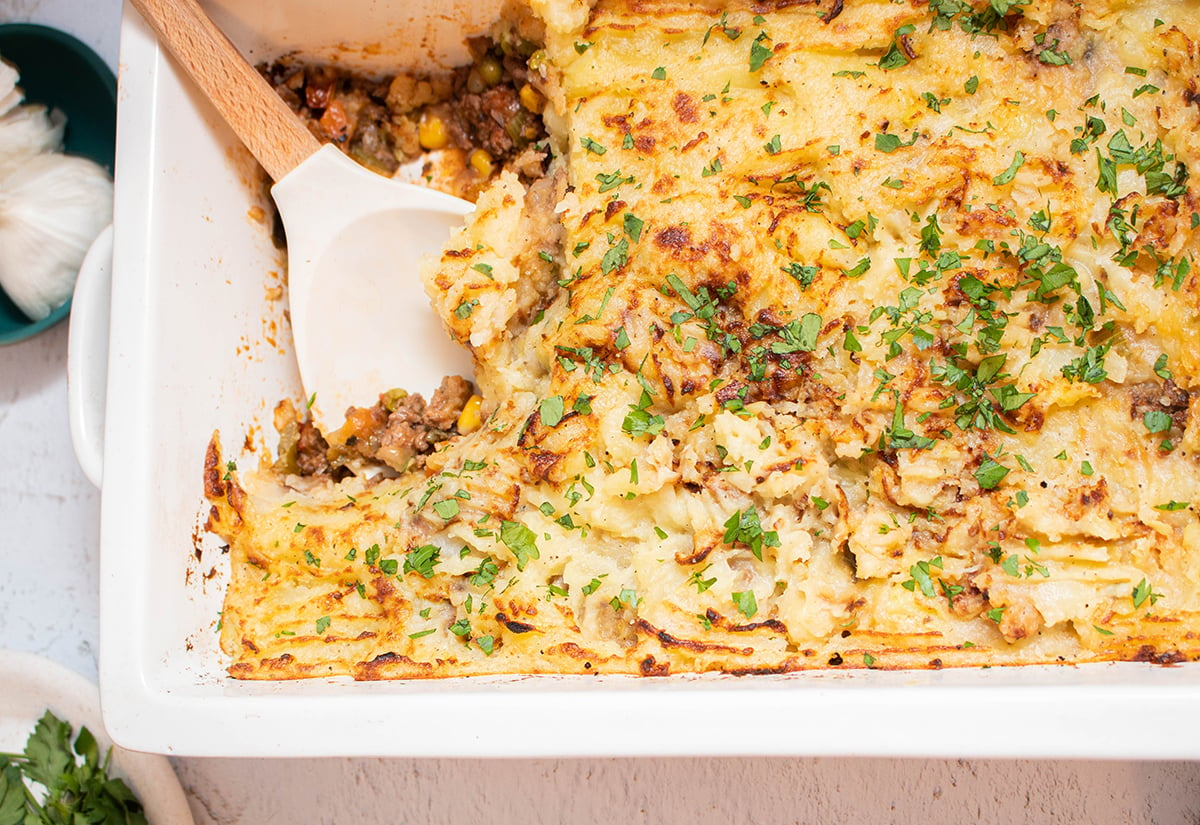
<point x="87" y="355"/>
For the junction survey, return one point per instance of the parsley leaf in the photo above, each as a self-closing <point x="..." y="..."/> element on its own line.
<point x="616" y="257"/>
<point x="744" y="527"/>
<point x="920" y="577"/>
<point x="746" y="604"/>
<point x="446" y="508"/>
<point x="804" y="275"/>
<point x="551" y="411"/>
<point x="422" y="560"/>
<point x="633" y="226"/>
<point x="1008" y="174"/>
<point x="990" y="473"/>
<point x="1157" y="421"/>
<point x="639" y="421"/>
<point x="1144" y="591"/>
<point x="759" y="54"/>
<point x="592" y="146"/>
<point x="899" y="53"/>
<point x="520" y="540"/>
<point x="888" y="143"/>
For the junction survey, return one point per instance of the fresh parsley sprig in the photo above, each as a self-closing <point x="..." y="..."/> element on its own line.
<point x="77" y="787"/>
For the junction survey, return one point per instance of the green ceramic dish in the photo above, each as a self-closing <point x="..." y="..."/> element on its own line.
<point x="59" y="71"/>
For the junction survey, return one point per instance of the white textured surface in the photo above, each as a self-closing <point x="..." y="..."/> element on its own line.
<point x="48" y="604"/>
<point x="694" y="791"/>
<point x="49" y="512"/>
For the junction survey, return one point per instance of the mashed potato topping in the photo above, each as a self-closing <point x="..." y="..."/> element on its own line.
<point x="836" y="335"/>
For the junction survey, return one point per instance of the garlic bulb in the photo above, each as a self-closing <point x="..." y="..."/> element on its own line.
<point x="10" y="94"/>
<point x="51" y="209"/>
<point x="27" y="131"/>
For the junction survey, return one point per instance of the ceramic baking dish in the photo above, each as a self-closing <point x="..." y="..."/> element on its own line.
<point x="199" y="341"/>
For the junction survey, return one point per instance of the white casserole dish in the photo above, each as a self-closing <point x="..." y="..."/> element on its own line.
<point x="196" y="345"/>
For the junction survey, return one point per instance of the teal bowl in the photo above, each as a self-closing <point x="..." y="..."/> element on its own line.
<point x="60" y="72"/>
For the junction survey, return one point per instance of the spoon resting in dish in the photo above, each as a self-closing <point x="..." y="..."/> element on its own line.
<point x="361" y="321"/>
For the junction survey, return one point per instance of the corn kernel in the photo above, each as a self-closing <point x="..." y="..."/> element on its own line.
<point x="481" y="162"/>
<point x="531" y="99"/>
<point x="470" y="419"/>
<point x="432" y="133"/>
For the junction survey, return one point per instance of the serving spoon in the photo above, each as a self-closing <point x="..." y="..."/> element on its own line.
<point x="361" y="321"/>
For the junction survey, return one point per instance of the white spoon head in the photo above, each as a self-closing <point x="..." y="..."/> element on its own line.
<point x="361" y="320"/>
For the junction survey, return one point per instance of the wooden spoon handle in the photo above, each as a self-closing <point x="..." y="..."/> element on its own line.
<point x="270" y="130"/>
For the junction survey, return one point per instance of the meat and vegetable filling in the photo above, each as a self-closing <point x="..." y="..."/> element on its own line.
<point x="463" y="126"/>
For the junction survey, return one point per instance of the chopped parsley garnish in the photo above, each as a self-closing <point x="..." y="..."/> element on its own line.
<point x="520" y="540"/>
<point x="551" y="411"/>
<point x="898" y="437"/>
<point x="744" y="527"/>
<point x="990" y="473"/>
<point x="422" y="560"/>
<point x="1089" y="367"/>
<point x="612" y="180"/>
<point x="633" y="226"/>
<point x="446" y="508"/>
<point x="1143" y="592"/>
<point x="616" y="256"/>
<point x="919" y="577"/>
<point x="628" y="598"/>
<point x="1157" y="421"/>
<point x="888" y="143"/>
<point x="746" y="604"/>
<point x="899" y="53"/>
<point x="804" y="275"/>
<point x="697" y="579"/>
<point x="983" y="398"/>
<point x="759" y="54"/>
<point x="1008" y="174"/>
<point x="639" y="421"/>
<point x="485" y="573"/>
<point x="859" y="268"/>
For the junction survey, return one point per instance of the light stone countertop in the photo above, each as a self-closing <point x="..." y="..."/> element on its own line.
<point x="49" y="516"/>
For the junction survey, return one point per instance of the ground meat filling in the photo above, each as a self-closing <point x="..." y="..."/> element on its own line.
<point x="397" y="432"/>
<point x="479" y="119"/>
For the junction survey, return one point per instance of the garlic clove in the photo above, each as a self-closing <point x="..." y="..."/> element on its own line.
<point x="51" y="209"/>
<point x="27" y="131"/>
